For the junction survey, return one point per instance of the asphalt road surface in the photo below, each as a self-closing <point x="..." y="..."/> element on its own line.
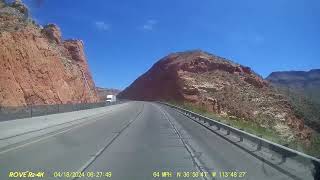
<point x="137" y="141"/>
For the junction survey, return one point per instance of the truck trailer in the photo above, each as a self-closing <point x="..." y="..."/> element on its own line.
<point x="111" y="98"/>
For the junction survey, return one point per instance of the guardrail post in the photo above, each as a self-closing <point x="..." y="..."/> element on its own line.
<point x="241" y="138"/>
<point x="228" y="130"/>
<point x="259" y="144"/>
<point x="283" y="158"/>
<point x="283" y="155"/>
<point x="218" y="127"/>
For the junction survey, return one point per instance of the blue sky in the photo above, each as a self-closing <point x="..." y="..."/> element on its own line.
<point x="124" y="38"/>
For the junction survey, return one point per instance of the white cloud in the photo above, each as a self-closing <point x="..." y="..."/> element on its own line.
<point x="102" y="25"/>
<point x="149" y="25"/>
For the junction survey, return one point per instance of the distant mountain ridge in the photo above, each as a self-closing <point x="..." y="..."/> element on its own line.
<point x="305" y="82"/>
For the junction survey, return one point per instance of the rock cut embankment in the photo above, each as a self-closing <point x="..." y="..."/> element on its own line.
<point x="37" y="66"/>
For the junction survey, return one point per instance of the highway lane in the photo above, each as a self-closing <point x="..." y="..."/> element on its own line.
<point x="135" y="142"/>
<point x="70" y="150"/>
<point x="149" y="145"/>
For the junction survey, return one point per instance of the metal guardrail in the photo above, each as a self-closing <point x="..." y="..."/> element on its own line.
<point x="284" y="152"/>
<point x="18" y="112"/>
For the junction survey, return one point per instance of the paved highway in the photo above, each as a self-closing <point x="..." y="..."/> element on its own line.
<point x="137" y="140"/>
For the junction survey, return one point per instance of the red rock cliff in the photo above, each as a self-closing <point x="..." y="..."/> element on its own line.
<point x="37" y="66"/>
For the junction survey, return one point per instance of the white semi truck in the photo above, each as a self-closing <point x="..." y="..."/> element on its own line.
<point x="111" y="98"/>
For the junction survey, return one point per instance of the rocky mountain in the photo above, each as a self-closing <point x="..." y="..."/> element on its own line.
<point x="303" y="91"/>
<point x="304" y="82"/>
<point x="36" y="65"/>
<point x="221" y="86"/>
<point x="103" y="92"/>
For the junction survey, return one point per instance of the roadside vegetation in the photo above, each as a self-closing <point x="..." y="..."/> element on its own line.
<point x="256" y="129"/>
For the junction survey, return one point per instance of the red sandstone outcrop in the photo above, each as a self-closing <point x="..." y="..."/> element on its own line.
<point x="37" y="66"/>
<point x="220" y="86"/>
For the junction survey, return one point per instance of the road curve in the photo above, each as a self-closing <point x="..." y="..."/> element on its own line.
<point x="140" y="140"/>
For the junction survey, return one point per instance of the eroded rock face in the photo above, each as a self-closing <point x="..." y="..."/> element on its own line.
<point x="220" y="86"/>
<point x="38" y="67"/>
<point x="75" y="50"/>
<point x="53" y="33"/>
